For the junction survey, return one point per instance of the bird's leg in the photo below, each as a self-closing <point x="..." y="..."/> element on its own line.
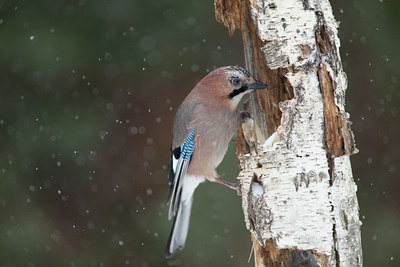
<point x="234" y="186"/>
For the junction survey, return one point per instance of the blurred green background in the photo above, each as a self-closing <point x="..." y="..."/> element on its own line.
<point x="88" y="92"/>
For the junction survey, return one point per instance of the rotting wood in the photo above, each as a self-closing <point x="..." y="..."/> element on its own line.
<point x="273" y="257"/>
<point x="307" y="213"/>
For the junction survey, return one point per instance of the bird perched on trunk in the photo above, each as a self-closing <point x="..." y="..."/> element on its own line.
<point x="204" y="124"/>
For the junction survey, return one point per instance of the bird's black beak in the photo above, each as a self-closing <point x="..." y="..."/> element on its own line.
<point x="257" y="85"/>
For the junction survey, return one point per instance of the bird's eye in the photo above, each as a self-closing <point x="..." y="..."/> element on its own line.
<point x="236" y="81"/>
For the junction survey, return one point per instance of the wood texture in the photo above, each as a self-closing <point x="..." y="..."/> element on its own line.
<point x="298" y="194"/>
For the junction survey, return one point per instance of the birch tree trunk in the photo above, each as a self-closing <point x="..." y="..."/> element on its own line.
<point x="298" y="194"/>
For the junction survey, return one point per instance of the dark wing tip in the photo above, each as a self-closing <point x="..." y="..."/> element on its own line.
<point x="169" y="254"/>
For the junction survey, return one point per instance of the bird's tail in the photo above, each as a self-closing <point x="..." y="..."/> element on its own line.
<point x="180" y="227"/>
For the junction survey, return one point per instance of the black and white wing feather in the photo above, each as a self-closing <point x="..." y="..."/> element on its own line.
<point x="180" y="160"/>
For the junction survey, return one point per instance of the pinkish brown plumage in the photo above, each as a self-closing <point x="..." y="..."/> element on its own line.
<point x="210" y="109"/>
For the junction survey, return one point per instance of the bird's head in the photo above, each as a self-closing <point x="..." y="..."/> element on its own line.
<point x="230" y="84"/>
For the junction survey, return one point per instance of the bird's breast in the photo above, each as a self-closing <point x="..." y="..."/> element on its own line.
<point x="213" y="136"/>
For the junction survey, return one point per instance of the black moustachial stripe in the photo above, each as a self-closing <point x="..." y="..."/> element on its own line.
<point x="237" y="91"/>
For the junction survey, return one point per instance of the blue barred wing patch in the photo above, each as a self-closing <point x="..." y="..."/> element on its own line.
<point x="187" y="148"/>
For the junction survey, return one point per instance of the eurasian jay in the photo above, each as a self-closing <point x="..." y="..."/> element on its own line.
<point x="204" y="124"/>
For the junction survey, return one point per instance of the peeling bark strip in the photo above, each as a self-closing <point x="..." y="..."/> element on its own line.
<point x="298" y="194"/>
<point x="338" y="135"/>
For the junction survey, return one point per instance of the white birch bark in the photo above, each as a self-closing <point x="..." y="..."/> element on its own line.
<point x="297" y="188"/>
